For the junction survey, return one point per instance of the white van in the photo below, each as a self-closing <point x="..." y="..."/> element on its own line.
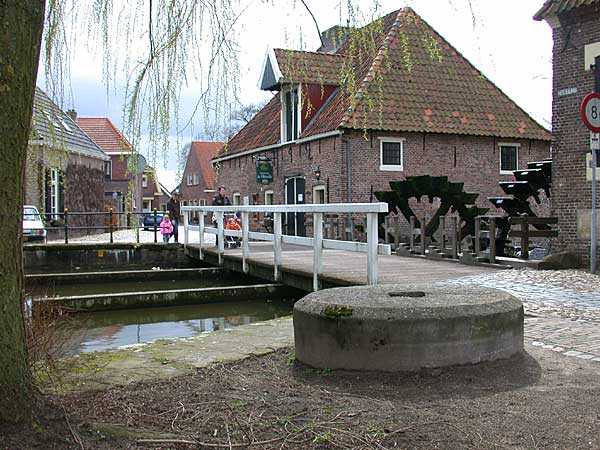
<point x="33" y="226"/>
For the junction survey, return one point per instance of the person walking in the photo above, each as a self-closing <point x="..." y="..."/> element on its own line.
<point x="166" y="228"/>
<point x="174" y="208"/>
<point x="220" y="200"/>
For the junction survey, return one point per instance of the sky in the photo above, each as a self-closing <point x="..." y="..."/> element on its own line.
<point x="499" y="38"/>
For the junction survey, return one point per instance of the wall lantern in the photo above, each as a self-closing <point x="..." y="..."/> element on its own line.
<point x="318" y="173"/>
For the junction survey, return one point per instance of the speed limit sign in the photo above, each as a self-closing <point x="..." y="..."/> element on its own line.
<point x="590" y="111"/>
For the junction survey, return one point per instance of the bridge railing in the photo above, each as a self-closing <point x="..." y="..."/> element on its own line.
<point x="372" y="247"/>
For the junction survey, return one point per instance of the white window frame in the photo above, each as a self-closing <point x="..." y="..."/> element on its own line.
<point x="54" y="190"/>
<point x="237" y="198"/>
<point x="196" y="179"/>
<point x="269" y="194"/>
<point x="108" y="170"/>
<point x="391" y="167"/>
<point x="190" y="179"/>
<point x="148" y="202"/>
<point x="144" y="180"/>
<point x="284" y="91"/>
<point x="319" y="188"/>
<point x="202" y="202"/>
<point x="508" y="144"/>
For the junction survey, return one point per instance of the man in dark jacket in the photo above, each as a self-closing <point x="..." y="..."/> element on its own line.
<point x="220" y="200"/>
<point x="174" y="208"/>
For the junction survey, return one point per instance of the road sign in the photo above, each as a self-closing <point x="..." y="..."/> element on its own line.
<point x="590" y="111"/>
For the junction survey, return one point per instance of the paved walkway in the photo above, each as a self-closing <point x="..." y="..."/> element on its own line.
<point x="562" y="307"/>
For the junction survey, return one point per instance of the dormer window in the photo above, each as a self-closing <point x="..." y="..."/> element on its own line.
<point x="290" y="113"/>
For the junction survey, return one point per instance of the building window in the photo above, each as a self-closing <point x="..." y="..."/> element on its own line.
<point x="202" y="202"/>
<point x="391" y="154"/>
<point x="196" y="179"/>
<point x="163" y="207"/>
<point x="237" y="197"/>
<point x="319" y="194"/>
<point x="269" y="197"/>
<point x="146" y="205"/>
<point x="290" y="114"/>
<point x="190" y="179"/>
<point x="509" y="158"/>
<point x="108" y="170"/>
<point x="54" y="191"/>
<point x="144" y="181"/>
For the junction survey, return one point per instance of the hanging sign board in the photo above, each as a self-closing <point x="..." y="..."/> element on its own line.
<point x="590" y="111"/>
<point x="264" y="171"/>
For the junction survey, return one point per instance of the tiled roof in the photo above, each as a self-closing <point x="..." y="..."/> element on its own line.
<point x="262" y="130"/>
<point x="56" y="129"/>
<point x="104" y="133"/>
<point x="428" y="86"/>
<point x="204" y="152"/>
<point x="554" y="7"/>
<point x="416" y="81"/>
<point x="309" y="67"/>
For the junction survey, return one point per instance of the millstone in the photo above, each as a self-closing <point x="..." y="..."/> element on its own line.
<point x="406" y="328"/>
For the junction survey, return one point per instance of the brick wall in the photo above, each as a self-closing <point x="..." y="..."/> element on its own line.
<point x="469" y="159"/>
<point x="194" y="192"/>
<point x="571" y="191"/>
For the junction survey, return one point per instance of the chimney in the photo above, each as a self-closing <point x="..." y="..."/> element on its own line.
<point x="333" y="38"/>
<point x="72" y="114"/>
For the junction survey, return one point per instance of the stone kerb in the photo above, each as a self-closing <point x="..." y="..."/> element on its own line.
<point x="406" y="328"/>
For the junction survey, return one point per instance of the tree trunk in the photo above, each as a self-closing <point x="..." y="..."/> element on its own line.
<point x="21" y="24"/>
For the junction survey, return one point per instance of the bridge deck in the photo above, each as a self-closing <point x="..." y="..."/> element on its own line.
<point x="340" y="268"/>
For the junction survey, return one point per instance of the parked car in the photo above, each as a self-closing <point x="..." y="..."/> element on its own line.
<point x="148" y="220"/>
<point x="33" y="225"/>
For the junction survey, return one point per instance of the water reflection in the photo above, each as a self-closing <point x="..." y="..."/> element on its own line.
<point x="90" y="332"/>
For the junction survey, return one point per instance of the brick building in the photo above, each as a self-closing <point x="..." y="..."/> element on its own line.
<point x="197" y="186"/>
<point x="154" y="194"/>
<point x="121" y="184"/>
<point x="64" y="167"/>
<point x="576" y="33"/>
<point x="418" y="107"/>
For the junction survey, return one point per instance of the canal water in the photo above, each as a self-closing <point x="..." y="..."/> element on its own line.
<point x="88" y="332"/>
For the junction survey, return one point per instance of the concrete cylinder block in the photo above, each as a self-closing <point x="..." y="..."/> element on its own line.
<point x="406" y="328"/>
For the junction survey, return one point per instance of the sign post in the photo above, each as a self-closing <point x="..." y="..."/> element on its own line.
<point x="590" y="114"/>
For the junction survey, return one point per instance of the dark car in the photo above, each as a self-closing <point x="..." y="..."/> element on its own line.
<point x="148" y="221"/>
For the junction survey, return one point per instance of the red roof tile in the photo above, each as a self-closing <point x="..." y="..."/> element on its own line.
<point x="204" y="152"/>
<point x="309" y="67"/>
<point x="262" y="130"/>
<point x="104" y="133"/>
<point x="414" y="81"/>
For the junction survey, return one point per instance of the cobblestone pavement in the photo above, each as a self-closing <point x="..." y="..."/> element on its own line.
<point x="562" y="308"/>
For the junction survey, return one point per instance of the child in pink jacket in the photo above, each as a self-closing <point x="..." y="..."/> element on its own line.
<point x="166" y="228"/>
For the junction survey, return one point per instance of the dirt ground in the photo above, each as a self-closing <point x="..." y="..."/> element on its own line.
<point x="540" y="400"/>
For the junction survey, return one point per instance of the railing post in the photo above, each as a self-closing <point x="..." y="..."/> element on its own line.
<point x="154" y="220"/>
<point x="220" y="236"/>
<point x="454" y="237"/>
<point x="372" y="243"/>
<point x="318" y="248"/>
<point x="186" y="225"/>
<point x="412" y="233"/>
<point x="524" y="237"/>
<point x="492" y="240"/>
<point x="110" y="224"/>
<point x="245" y="237"/>
<point x="442" y="226"/>
<point x="66" y="220"/>
<point x="396" y="231"/>
<point x="277" y="245"/>
<point x="423" y="237"/>
<point x="201" y="217"/>
<point x="477" y="242"/>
